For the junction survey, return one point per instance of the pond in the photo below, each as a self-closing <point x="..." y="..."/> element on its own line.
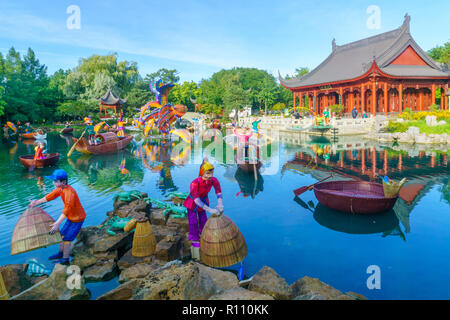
<point x="296" y="237"/>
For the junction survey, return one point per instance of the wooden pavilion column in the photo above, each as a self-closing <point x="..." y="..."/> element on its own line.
<point x="315" y="101"/>
<point x="350" y="94"/>
<point x="374" y="99"/>
<point x="400" y="98"/>
<point x="433" y="161"/>
<point x="295" y="95"/>
<point x="362" y="99"/>
<point x="374" y="162"/>
<point x="420" y="100"/>
<point x="433" y="93"/>
<point x="385" y="164"/>
<point x="341" y="97"/>
<point x="400" y="163"/>
<point x="442" y="99"/>
<point x="385" y="91"/>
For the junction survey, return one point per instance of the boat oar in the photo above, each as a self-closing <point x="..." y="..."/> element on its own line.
<point x="302" y="203"/>
<point x="301" y="190"/>
<point x="73" y="147"/>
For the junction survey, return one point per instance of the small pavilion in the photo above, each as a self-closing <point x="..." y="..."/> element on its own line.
<point x="111" y="101"/>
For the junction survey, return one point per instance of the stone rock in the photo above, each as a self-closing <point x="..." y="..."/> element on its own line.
<point x="181" y="223"/>
<point x="431" y="121"/>
<point x="307" y="288"/>
<point x="223" y="280"/>
<point x="400" y="120"/>
<point x="239" y="293"/>
<point x="177" y="282"/>
<point x="128" y="260"/>
<point x="137" y="271"/>
<point x="134" y="208"/>
<point x="16" y="279"/>
<point x="441" y="123"/>
<point x="121" y="241"/>
<point x="102" y="271"/>
<point x="421" y="138"/>
<point x="55" y="287"/>
<point x="157" y="218"/>
<point x="268" y="282"/>
<point x="168" y="249"/>
<point x="122" y="292"/>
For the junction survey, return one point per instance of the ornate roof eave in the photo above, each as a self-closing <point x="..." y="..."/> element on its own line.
<point x="373" y="70"/>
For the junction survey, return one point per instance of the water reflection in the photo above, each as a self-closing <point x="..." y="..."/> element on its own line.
<point x="249" y="184"/>
<point x="386" y="223"/>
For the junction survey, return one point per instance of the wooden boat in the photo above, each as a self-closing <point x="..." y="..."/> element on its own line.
<point x="110" y="144"/>
<point x="29" y="135"/>
<point x="359" y="197"/>
<point x="245" y="163"/>
<point x="66" y="130"/>
<point x="50" y="160"/>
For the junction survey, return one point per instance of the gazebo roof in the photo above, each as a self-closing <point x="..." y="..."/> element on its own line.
<point x="111" y="99"/>
<point x="352" y="60"/>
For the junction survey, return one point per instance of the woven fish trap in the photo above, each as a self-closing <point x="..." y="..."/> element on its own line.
<point x="3" y="292"/>
<point x="32" y="231"/>
<point x="221" y="242"/>
<point x="144" y="240"/>
<point x="392" y="190"/>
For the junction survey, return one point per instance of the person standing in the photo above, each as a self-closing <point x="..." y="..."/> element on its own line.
<point x="354" y="113"/>
<point x="197" y="204"/>
<point x="73" y="211"/>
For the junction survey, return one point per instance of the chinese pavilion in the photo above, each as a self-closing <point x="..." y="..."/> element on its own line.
<point x="384" y="73"/>
<point x="111" y="101"/>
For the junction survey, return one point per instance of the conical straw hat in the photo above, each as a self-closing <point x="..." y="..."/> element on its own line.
<point x="32" y="231"/>
<point x="144" y="240"/>
<point x="221" y="242"/>
<point x="3" y="292"/>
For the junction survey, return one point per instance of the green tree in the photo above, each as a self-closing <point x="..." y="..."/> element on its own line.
<point x="182" y="94"/>
<point x="441" y="53"/>
<point x="167" y="76"/>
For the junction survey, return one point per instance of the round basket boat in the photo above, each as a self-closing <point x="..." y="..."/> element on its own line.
<point x="221" y="242"/>
<point x="32" y="231"/>
<point x="359" y="197"/>
<point x="50" y="160"/>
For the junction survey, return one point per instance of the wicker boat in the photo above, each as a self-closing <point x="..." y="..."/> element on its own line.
<point x="66" y="130"/>
<point x="110" y="144"/>
<point x="49" y="160"/>
<point x="221" y="242"/>
<point x="32" y="231"/>
<point x="359" y="197"/>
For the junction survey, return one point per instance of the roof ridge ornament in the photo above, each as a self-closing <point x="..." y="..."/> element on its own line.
<point x="406" y="22"/>
<point x="333" y="44"/>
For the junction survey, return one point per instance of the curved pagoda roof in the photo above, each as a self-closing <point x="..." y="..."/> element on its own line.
<point x="111" y="99"/>
<point x="352" y="60"/>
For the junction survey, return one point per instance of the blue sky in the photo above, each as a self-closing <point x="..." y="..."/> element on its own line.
<point x="201" y="37"/>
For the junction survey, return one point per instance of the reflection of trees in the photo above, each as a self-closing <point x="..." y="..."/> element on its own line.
<point x="102" y="173"/>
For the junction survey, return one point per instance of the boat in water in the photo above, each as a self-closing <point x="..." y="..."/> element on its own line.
<point x="358" y="197"/>
<point x="110" y="143"/>
<point x="49" y="160"/>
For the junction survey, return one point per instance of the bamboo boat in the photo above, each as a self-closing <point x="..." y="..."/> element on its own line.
<point x="29" y="135"/>
<point x="110" y="144"/>
<point x="358" y="197"/>
<point x="49" y="160"/>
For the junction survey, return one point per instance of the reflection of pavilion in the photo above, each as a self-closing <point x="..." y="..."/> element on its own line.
<point x="366" y="164"/>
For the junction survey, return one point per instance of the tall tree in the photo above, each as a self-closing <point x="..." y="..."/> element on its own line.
<point x="166" y="75"/>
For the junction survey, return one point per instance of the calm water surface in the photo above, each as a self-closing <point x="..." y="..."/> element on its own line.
<point x="296" y="237"/>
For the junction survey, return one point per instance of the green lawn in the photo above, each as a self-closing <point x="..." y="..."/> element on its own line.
<point x="421" y="124"/>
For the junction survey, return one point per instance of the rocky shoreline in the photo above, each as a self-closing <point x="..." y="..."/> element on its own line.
<point x="169" y="274"/>
<point x="412" y="136"/>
